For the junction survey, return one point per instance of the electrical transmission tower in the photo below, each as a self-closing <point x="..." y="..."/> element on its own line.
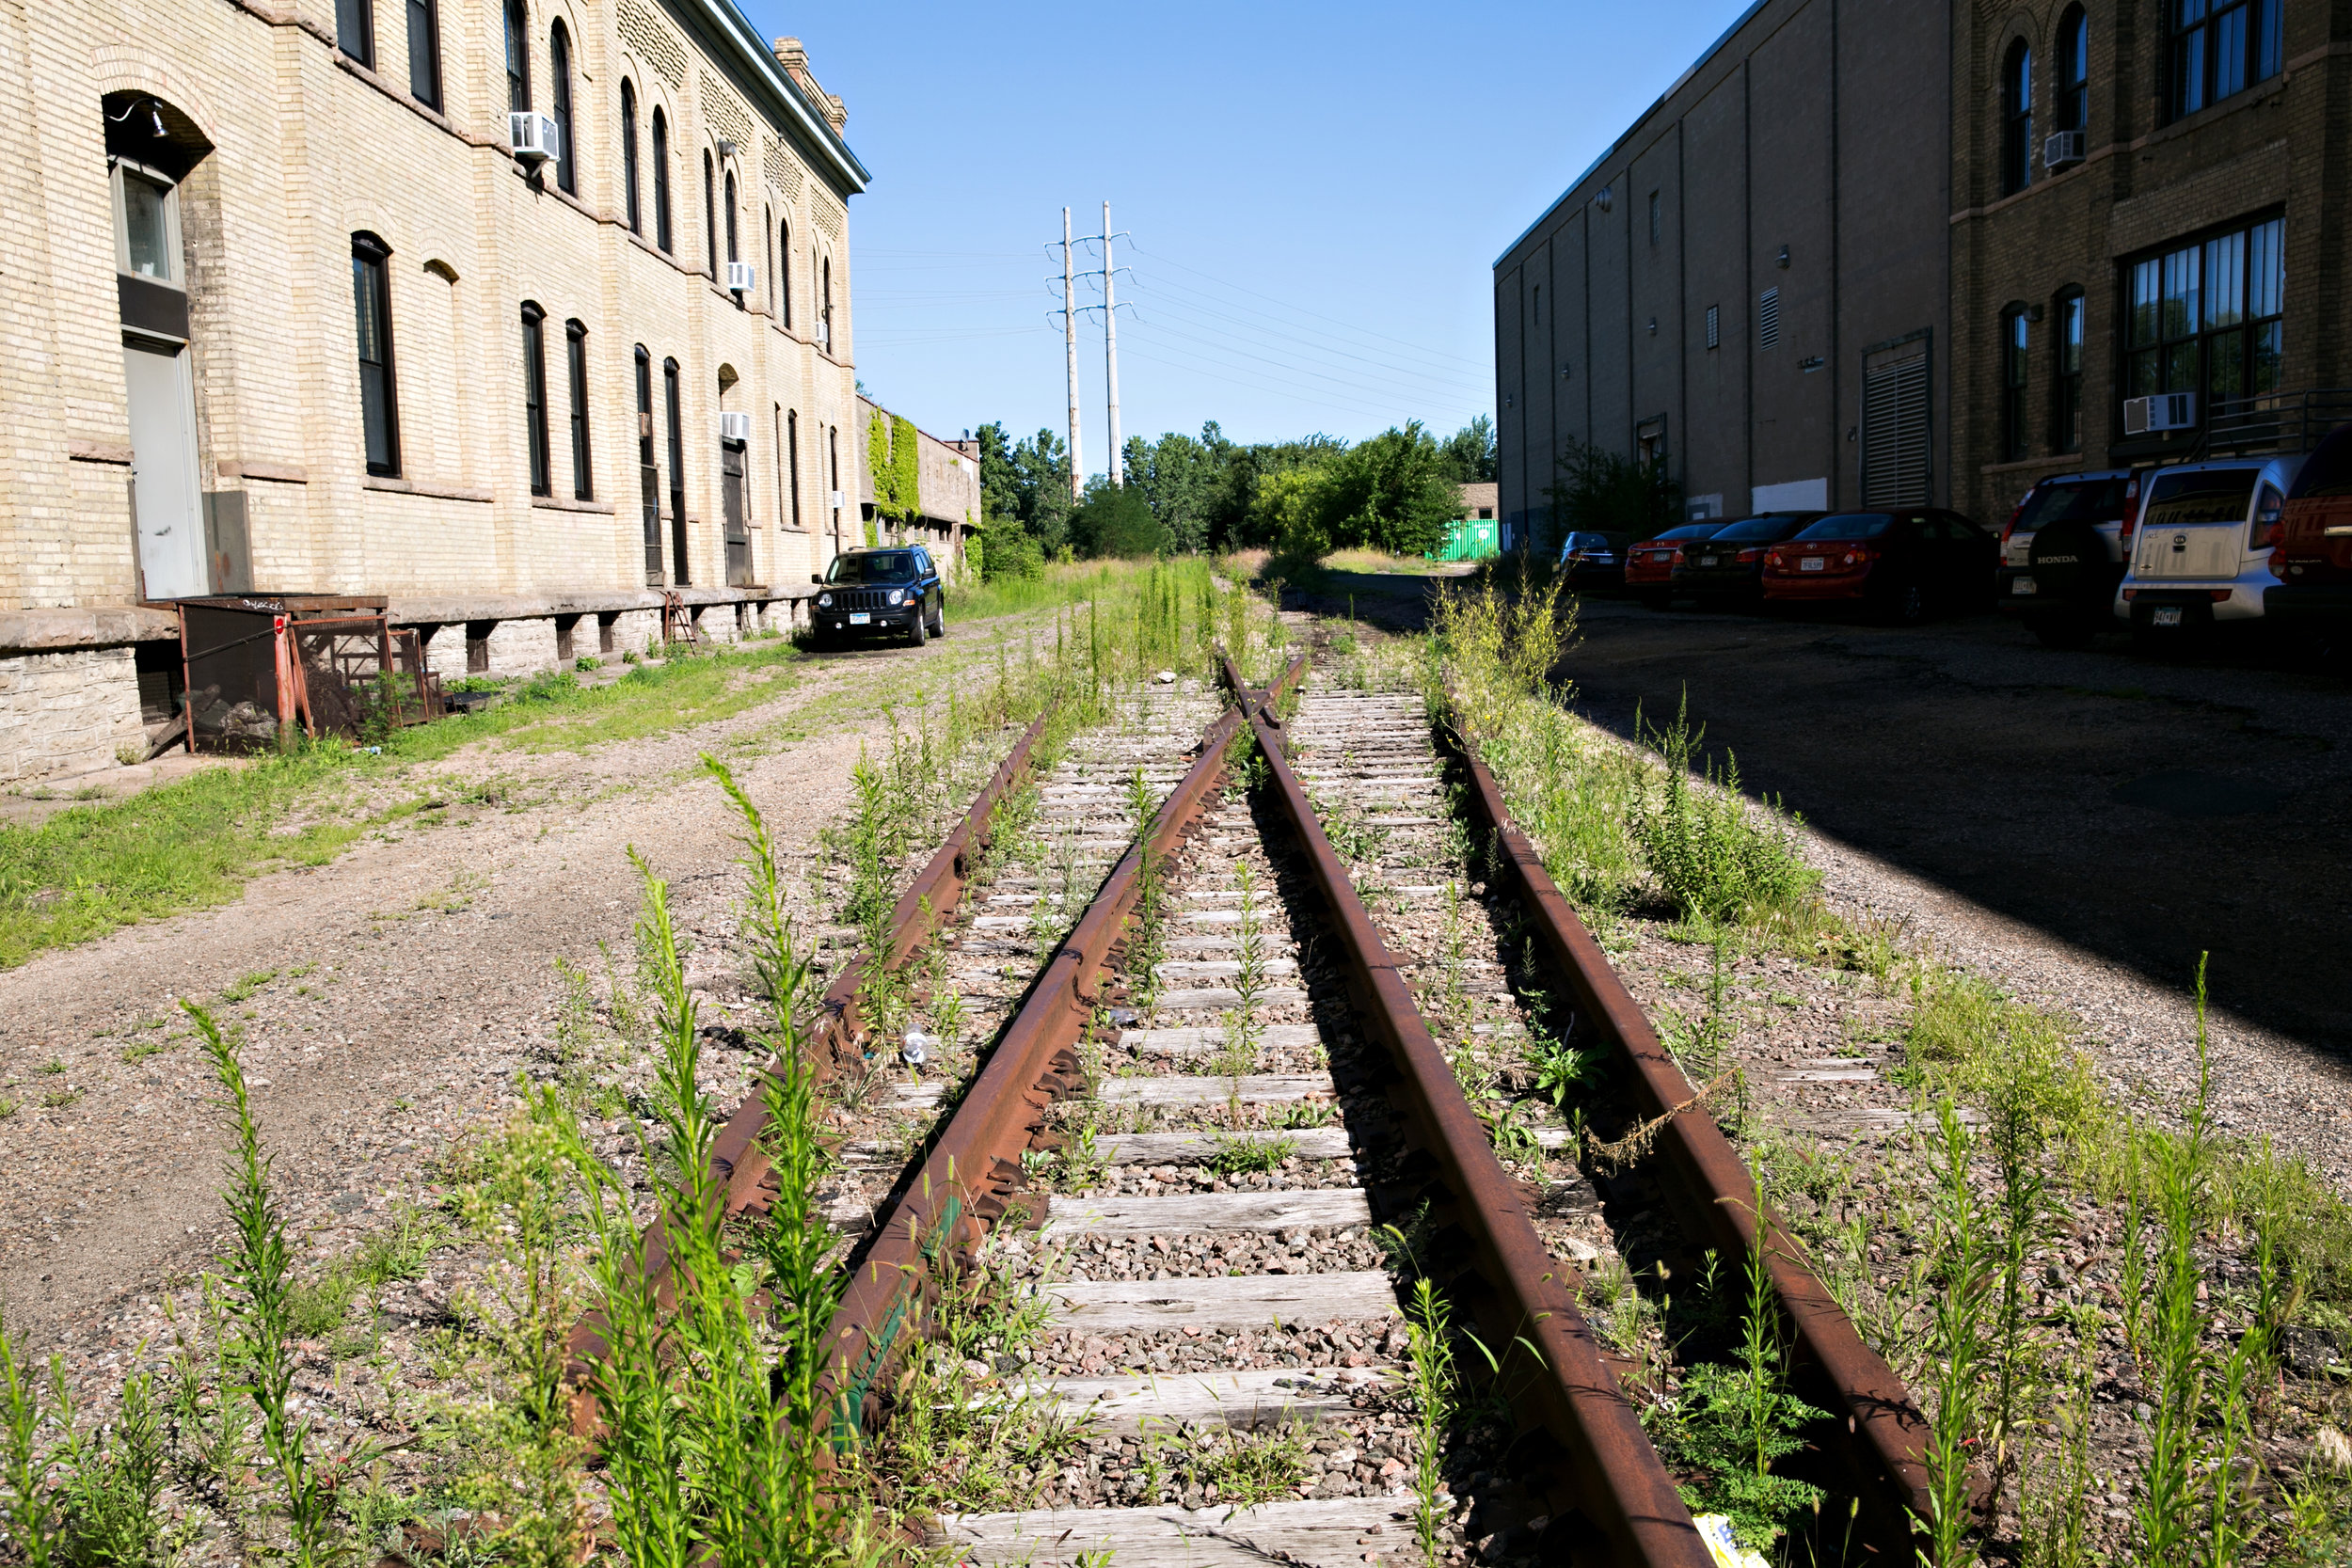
<point x="1068" y="313"/>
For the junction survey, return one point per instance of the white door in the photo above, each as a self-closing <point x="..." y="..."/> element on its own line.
<point x="164" y="489"/>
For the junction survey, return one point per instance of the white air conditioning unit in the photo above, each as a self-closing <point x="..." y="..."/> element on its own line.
<point x="2063" y="151"/>
<point x="534" y="138"/>
<point x="2153" y="416"/>
<point x="741" y="276"/>
<point x="735" y="428"/>
<point x="824" y="331"/>
<point x="837" y="501"/>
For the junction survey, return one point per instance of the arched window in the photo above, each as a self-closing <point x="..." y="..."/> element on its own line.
<point x="2017" y="119"/>
<point x="628" y="157"/>
<point x="662" y="235"/>
<point x="2074" y="78"/>
<point x="2066" y="390"/>
<point x="536" y="396"/>
<point x="824" y="305"/>
<point x="576" y="360"/>
<point x="378" y="412"/>
<point x="783" y="268"/>
<point x="792" y="457"/>
<point x="833" y="468"/>
<point x="559" y="99"/>
<point x="517" y="56"/>
<point x="676" y="410"/>
<point x="424" y="51"/>
<point x="648" y="470"/>
<point x="711" y="215"/>
<point x="732" y="254"/>
<point x="2013" y="366"/>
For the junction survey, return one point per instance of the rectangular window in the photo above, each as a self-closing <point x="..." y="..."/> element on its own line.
<point x="536" y="398"/>
<point x="2204" y="317"/>
<point x="1768" y="319"/>
<point x="792" y="450"/>
<point x="2221" y="48"/>
<point x="576" y="354"/>
<point x="2066" y="411"/>
<point x="373" y="305"/>
<point x="354" y="30"/>
<point x="674" y="397"/>
<point x="1714" y="325"/>
<point x="425" y="53"/>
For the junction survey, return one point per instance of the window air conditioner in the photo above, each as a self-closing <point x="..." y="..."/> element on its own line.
<point x="735" y="428"/>
<point x="2153" y="416"/>
<point x="740" y="278"/>
<point x="2063" y="151"/>
<point x="824" y="331"/>
<point x="534" y="138"/>
<point x="836" y="500"/>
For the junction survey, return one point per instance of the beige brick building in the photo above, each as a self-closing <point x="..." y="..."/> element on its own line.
<point x="282" y="310"/>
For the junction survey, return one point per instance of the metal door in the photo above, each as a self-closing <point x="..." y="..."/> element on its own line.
<point x="165" y="497"/>
<point x="731" y="482"/>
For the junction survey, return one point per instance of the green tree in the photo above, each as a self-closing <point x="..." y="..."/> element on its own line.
<point x="1000" y="480"/>
<point x="1116" y="520"/>
<point x="1606" y="492"/>
<point x="1394" y="493"/>
<point x="1042" y="464"/>
<point x="1470" y="452"/>
<point x="1178" y="476"/>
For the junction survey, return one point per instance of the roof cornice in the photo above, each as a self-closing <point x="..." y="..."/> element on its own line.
<point x="753" y="54"/>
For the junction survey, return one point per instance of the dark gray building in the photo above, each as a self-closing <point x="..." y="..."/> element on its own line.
<point x="1754" y="280"/>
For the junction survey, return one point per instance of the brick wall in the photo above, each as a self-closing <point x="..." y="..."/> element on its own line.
<point x="67" y="712"/>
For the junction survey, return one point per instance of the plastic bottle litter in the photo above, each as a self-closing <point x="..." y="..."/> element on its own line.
<point x="917" y="1047"/>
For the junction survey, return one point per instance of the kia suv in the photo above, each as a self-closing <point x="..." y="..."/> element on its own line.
<point x="2201" y="554"/>
<point x="879" y="593"/>
<point x="2311" y="601"/>
<point x="2063" y="554"/>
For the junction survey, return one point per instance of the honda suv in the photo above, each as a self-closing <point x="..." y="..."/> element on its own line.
<point x="2063" y="554"/>
<point x="878" y="592"/>
<point x="2311" y="601"/>
<point x="2201" y="556"/>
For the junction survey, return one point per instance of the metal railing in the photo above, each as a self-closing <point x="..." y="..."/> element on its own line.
<point x="2274" y="421"/>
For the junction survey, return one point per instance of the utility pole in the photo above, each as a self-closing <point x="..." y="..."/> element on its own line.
<point x="1110" y="344"/>
<point x="1069" y="346"/>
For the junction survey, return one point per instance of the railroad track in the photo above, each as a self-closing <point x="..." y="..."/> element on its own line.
<point x="1228" y="1125"/>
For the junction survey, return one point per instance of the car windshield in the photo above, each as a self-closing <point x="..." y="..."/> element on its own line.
<point x="2072" y="501"/>
<point x="1849" y="525"/>
<point x="1585" y="543"/>
<point x="1750" y="530"/>
<point x="2209" y="496"/>
<point x="881" y="566"/>
<point x="1691" y="530"/>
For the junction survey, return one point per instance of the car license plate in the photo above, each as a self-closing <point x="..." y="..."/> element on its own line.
<point x="1661" y="555"/>
<point x="2025" y="585"/>
<point x="1707" y="561"/>
<point x="859" y="618"/>
<point x="2166" y="616"/>
<point x="1812" y="563"/>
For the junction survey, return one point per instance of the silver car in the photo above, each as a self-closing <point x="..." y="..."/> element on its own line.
<point x="2200" y="554"/>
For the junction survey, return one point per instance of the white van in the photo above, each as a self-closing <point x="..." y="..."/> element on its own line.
<point x="2201" y="553"/>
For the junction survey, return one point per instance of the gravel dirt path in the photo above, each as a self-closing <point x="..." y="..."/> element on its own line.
<point x="412" y="980"/>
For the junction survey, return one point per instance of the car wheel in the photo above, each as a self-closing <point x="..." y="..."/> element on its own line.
<point x="2062" y="631"/>
<point x="914" y="634"/>
<point x="939" y="621"/>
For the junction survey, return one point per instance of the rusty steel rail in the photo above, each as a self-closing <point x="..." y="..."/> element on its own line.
<point x="963" y="1180"/>
<point x="1612" y="1474"/>
<point x="929" y="899"/>
<point x="1885" y="1452"/>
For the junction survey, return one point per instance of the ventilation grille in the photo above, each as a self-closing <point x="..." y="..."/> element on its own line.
<point x="1714" y="325"/>
<point x="1768" y="319"/>
<point x="1896" y="448"/>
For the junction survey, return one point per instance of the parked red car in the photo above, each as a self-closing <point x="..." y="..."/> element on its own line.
<point x="1649" y="566"/>
<point x="1897" y="565"/>
<point x="2312" y="555"/>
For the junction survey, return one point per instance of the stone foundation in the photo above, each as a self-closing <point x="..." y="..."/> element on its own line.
<point x="69" y="712"/>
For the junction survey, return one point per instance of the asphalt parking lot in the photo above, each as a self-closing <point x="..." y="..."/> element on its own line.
<point x="2141" y="810"/>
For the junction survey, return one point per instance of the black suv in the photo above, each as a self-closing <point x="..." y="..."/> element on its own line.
<point x="2063" y="554"/>
<point x="893" y="592"/>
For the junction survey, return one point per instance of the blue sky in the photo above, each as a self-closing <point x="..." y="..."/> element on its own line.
<point x="1316" y="195"/>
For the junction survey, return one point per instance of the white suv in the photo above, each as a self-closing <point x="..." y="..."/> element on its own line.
<point x="2200" y="554"/>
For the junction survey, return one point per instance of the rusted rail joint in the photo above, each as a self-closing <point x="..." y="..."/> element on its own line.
<point x="934" y="895"/>
<point x="1612" y="1474"/>
<point x="961" y="1185"/>
<point x="1837" y="1370"/>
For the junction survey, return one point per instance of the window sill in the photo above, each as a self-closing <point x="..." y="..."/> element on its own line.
<point x="278" y="473"/>
<point x="437" y="492"/>
<point x="560" y="503"/>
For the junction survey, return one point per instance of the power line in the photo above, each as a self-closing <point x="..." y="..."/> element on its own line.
<point x="1335" y="320"/>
